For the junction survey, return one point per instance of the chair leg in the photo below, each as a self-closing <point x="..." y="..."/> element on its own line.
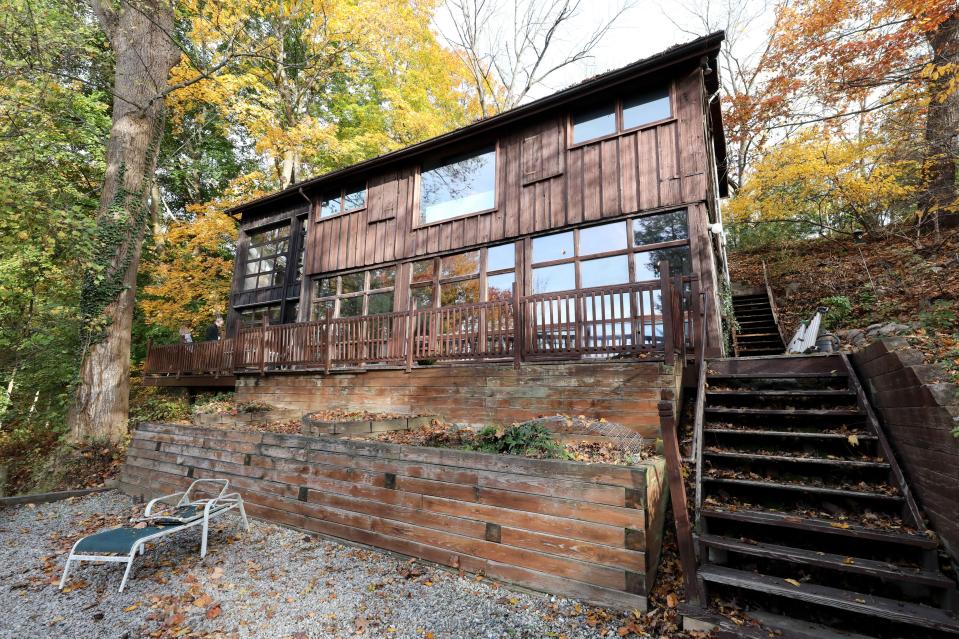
<point x="246" y="522"/>
<point x="206" y="528"/>
<point x="66" y="571"/>
<point x="126" y="573"/>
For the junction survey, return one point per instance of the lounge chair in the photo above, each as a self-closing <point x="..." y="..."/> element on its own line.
<point x="120" y="545"/>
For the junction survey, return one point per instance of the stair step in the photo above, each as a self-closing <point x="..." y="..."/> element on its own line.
<point x="797" y="412"/>
<point x="787" y="433"/>
<point x="847" y="463"/>
<point x="802" y="488"/>
<point x="869" y="567"/>
<point x="826" y="526"/>
<point x="812" y="392"/>
<point x="768" y="334"/>
<point x="822" y="375"/>
<point x="870" y="605"/>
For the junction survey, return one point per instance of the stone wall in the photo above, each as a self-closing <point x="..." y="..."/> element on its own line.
<point x="623" y="392"/>
<point x="918" y="410"/>
<point x="589" y="531"/>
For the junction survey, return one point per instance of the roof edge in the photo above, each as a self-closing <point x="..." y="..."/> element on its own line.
<point x="676" y="54"/>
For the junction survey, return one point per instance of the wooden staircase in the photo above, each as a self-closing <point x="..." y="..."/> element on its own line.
<point x="758" y="328"/>
<point x="803" y="516"/>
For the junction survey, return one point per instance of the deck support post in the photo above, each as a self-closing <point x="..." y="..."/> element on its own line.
<point x="666" y="304"/>
<point x="328" y="341"/>
<point x="517" y="328"/>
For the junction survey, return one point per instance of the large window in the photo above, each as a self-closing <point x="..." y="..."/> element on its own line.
<point x="266" y="258"/>
<point x="254" y="316"/>
<point x="621" y="115"/>
<point x="610" y="254"/>
<point x="458" y="186"/>
<point x="348" y="199"/>
<point x="363" y="293"/>
<point x="458" y="279"/>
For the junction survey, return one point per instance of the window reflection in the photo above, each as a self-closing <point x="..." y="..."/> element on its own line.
<point x="594" y="123"/>
<point x="500" y="287"/>
<point x="459" y="265"/>
<point x="647" y="262"/>
<point x="600" y="239"/>
<point x="604" y="271"/>
<point x="553" y="247"/>
<point x="500" y="257"/>
<point x="646" y="107"/>
<point x="663" y="227"/>
<point x="465" y="292"/>
<point x="459" y="186"/>
<point x="550" y="279"/>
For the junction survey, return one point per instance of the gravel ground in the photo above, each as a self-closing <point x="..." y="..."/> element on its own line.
<point x="268" y="582"/>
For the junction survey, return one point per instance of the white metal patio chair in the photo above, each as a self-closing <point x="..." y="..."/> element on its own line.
<point x="120" y="545"/>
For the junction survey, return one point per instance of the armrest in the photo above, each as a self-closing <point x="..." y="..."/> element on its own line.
<point x="231" y="498"/>
<point x="149" y="509"/>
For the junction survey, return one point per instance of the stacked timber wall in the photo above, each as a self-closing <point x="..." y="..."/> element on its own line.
<point x="919" y="411"/>
<point x="625" y="393"/>
<point x="587" y="531"/>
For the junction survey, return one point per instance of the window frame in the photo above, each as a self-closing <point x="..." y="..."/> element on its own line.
<point x="364" y="292"/>
<point x="618" y="111"/>
<point x="631" y="250"/>
<point x="483" y="274"/>
<point x="288" y="239"/>
<point x="342" y="200"/>
<point x="418" y="222"/>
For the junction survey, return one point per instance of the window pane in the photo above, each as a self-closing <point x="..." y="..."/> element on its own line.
<point x="249" y="283"/>
<point x="379" y="303"/>
<point x="282" y="231"/>
<point x="460" y="265"/>
<point x="550" y="279"/>
<point x="459" y="293"/>
<point x="351" y="306"/>
<point x="500" y="287"/>
<point x="646" y="107"/>
<point x="330" y="207"/>
<point x="252" y="268"/>
<point x="423" y="271"/>
<point x="351" y="283"/>
<point x="600" y="239"/>
<point x="463" y="185"/>
<point x="355" y="199"/>
<point x="604" y="271"/>
<point x="319" y="308"/>
<point x="594" y="123"/>
<point x="665" y="227"/>
<point x="647" y="262"/>
<point x="280" y="262"/>
<point x="253" y="253"/>
<point x="553" y="247"/>
<point x="265" y="281"/>
<point x="383" y="277"/>
<point x="324" y="287"/>
<point x="421" y="296"/>
<point x="501" y="257"/>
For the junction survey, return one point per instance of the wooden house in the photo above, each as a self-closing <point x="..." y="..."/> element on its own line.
<point x="488" y="272"/>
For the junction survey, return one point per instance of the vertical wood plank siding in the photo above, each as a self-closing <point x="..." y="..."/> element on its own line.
<point x="541" y="185"/>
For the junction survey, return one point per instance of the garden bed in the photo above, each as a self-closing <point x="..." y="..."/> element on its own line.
<point x="591" y="531"/>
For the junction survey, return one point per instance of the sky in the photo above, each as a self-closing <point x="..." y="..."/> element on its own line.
<point x="641" y="31"/>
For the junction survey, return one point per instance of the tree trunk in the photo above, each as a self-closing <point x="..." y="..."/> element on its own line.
<point x="139" y="33"/>
<point x="942" y="127"/>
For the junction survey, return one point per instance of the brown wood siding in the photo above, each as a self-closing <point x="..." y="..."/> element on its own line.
<point x="541" y="185"/>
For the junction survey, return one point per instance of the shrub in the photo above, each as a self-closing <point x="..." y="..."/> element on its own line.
<point x="940" y="317"/>
<point x="157" y="405"/>
<point x="840" y="310"/>
<point x="530" y="439"/>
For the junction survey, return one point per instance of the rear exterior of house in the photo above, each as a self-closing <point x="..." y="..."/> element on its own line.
<point x="554" y="258"/>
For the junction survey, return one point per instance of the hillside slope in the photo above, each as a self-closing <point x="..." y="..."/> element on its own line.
<point x="909" y="281"/>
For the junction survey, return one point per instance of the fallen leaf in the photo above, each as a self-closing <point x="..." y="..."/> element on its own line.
<point x="853" y="440"/>
<point x="849" y="561"/>
<point x="132" y="607"/>
<point x="672" y="600"/>
<point x="793" y="582"/>
<point x="843" y="526"/>
<point x="203" y="601"/>
<point x="75" y="585"/>
<point x="213" y="612"/>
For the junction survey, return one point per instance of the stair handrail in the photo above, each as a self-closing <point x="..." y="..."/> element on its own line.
<point x="873" y="421"/>
<point x="772" y="303"/>
<point x="700" y="409"/>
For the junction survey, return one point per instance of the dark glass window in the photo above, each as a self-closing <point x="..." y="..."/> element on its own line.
<point x="352" y="294"/>
<point x="266" y="258"/>
<point x="346" y="200"/>
<point x="458" y="186"/>
<point x="646" y="107"/>
<point x="594" y="123"/>
<point x="663" y="227"/>
<point x="254" y="316"/>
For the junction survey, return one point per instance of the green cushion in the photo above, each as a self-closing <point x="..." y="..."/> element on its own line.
<point x="118" y="540"/>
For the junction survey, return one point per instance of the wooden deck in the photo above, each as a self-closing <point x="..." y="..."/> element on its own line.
<point x="648" y="320"/>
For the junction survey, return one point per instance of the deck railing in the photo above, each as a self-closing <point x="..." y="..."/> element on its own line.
<point x="611" y="322"/>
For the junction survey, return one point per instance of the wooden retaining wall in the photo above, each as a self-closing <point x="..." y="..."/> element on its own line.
<point x="918" y="411"/>
<point x="591" y="532"/>
<point x="623" y="392"/>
